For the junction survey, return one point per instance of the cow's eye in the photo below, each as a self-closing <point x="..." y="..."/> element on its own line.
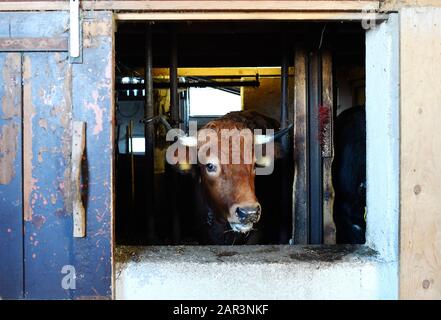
<point x="211" y="167"/>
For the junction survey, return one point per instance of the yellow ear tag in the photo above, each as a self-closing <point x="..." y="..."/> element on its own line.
<point x="184" y="166"/>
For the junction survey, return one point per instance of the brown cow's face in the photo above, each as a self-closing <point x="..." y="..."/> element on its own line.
<point x="230" y="192"/>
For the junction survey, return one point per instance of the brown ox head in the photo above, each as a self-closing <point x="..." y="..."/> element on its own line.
<point x="228" y="183"/>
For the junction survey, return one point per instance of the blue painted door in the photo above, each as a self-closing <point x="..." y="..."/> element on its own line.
<point x="37" y="247"/>
<point x="11" y="222"/>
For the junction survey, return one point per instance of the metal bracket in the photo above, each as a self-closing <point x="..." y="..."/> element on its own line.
<point x="75" y="33"/>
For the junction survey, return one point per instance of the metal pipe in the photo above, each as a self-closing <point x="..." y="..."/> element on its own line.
<point x="175" y="122"/>
<point x="284" y="86"/>
<point x="284" y="234"/>
<point x="132" y="168"/>
<point x="174" y="102"/>
<point x="149" y="133"/>
<point x="315" y="152"/>
<point x="197" y="84"/>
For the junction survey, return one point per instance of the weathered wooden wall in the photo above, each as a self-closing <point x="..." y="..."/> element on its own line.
<point x="158" y="5"/>
<point x="420" y="236"/>
<point x="11" y="208"/>
<point x="47" y="93"/>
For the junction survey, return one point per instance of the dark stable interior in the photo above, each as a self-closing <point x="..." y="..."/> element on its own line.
<point x="168" y="211"/>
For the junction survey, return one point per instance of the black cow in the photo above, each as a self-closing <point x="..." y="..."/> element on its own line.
<point x="349" y="175"/>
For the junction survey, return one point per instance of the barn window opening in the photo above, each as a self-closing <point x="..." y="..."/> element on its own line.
<point x="220" y="101"/>
<point x="169" y="74"/>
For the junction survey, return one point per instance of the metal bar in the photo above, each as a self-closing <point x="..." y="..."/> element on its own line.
<point x="175" y="122"/>
<point x="199" y="84"/>
<point x="127" y="140"/>
<point x="33" y="44"/>
<point x="315" y="152"/>
<point x="285" y="172"/>
<point x="284" y="86"/>
<point x="149" y="132"/>
<point x="74" y="29"/>
<point x="174" y="108"/>
<point x="132" y="169"/>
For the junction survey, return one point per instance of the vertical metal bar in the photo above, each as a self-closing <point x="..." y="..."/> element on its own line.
<point x="285" y="201"/>
<point x="174" y="111"/>
<point x="315" y="152"/>
<point x="149" y="133"/>
<point x="118" y="133"/>
<point x="284" y="85"/>
<point x="174" y="102"/>
<point x="132" y="169"/>
<point x="127" y="141"/>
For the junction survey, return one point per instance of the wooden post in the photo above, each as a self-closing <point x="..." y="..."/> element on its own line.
<point x="78" y="146"/>
<point x="149" y="134"/>
<point x="300" y="184"/>
<point x="329" y="231"/>
<point x="315" y="150"/>
<point x="420" y="157"/>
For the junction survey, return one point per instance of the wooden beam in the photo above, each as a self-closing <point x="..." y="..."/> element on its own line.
<point x="33" y="44"/>
<point x="329" y="230"/>
<point x="300" y="186"/>
<point x="186" y="5"/>
<point x="395" y="5"/>
<point x="420" y="158"/>
<point x="78" y="146"/>
<point x="256" y="15"/>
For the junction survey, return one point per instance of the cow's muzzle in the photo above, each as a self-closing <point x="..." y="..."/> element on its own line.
<point x="248" y="215"/>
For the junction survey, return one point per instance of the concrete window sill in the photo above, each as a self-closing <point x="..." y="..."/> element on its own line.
<point x="252" y="272"/>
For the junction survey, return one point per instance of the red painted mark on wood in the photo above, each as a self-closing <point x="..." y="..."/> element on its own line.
<point x="324" y="118"/>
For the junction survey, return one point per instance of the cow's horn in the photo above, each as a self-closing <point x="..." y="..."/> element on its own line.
<point x="262" y="138"/>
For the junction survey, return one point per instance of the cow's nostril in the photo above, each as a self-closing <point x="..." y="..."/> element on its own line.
<point x="248" y="214"/>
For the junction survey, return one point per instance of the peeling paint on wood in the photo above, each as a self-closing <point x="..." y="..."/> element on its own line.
<point x="33" y="44"/>
<point x="51" y="138"/>
<point x="8" y="152"/>
<point x="94" y="28"/>
<point x="28" y="115"/>
<point x="11" y="237"/>
<point x="11" y="84"/>
<point x="93" y="257"/>
<point x="55" y="93"/>
<point x="98" y="112"/>
<point x="35" y="24"/>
